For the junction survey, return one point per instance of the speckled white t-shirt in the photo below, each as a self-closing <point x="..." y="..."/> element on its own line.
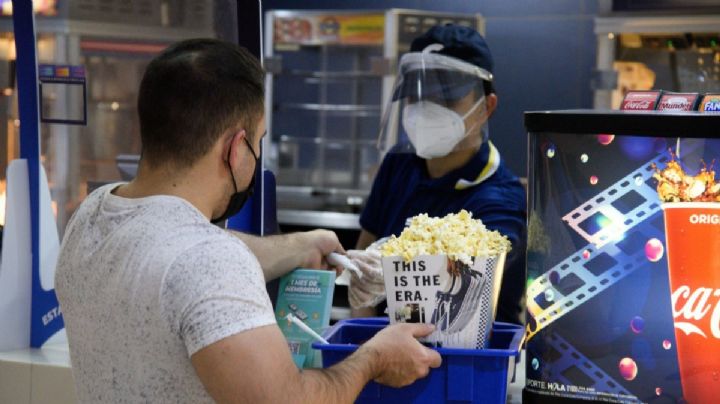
<point x="145" y="283"/>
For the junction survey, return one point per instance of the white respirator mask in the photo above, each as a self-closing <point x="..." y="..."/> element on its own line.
<point x="434" y="130"/>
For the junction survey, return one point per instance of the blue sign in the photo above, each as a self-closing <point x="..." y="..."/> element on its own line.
<point x="46" y="319"/>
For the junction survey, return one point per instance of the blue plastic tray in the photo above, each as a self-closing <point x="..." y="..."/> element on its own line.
<point x="466" y="375"/>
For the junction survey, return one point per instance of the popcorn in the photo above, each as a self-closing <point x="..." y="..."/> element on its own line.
<point x="675" y="185"/>
<point x="458" y="236"/>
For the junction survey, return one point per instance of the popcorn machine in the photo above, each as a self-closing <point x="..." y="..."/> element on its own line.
<point x="330" y="74"/>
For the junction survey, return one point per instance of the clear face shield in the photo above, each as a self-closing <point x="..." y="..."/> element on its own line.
<point x="438" y="107"/>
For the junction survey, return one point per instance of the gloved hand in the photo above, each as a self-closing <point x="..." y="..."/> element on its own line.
<point x="368" y="290"/>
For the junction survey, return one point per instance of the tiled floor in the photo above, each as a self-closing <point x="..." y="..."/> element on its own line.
<point x="36" y="376"/>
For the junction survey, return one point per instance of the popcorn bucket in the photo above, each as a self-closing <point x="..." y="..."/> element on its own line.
<point x="458" y="296"/>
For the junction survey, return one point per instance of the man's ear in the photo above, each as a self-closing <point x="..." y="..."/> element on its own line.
<point x="232" y="144"/>
<point x="491" y="103"/>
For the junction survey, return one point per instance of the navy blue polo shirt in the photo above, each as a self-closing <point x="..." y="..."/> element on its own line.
<point x="483" y="186"/>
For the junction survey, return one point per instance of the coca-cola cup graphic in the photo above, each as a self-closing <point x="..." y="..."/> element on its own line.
<point x="692" y="232"/>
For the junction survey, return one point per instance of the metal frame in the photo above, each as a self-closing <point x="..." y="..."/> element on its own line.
<point x="109" y="30"/>
<point x="657" y="24"/>
<point x="691" y="124"/>
<point x="82" y="121"/>
<point x="335" y="220"/>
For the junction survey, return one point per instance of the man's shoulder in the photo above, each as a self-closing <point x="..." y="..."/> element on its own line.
<point x="163" y="224"/>
<point x="506" y="175"/>
<point x="397" y="165"/>
<point x="399" y="157"/>
<point x="502" y="186"/>
<point x="210" y="263"/>
<point x="212" y="241"/>
<point x="89" y="207"/>
<point x="211" y="248"/>
<point x="96" y="197"/>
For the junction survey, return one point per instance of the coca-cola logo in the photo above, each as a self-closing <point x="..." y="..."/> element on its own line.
<point x="693" y="306"/>
<point x="704" y="218"/>
<point x="638" y="105"/>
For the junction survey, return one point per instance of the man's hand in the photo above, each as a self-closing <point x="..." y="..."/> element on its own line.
<point x="401" y="359"/>
<point x="255" y="366"/>
<point x="280" y="254"/>
<point x="368" y="290"/>
<point x="316" y="245"/>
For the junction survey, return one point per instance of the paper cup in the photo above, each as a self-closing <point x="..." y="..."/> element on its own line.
<point x="692" y="235"/>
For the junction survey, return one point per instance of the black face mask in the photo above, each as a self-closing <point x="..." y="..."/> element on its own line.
<point x="237" y="199"/>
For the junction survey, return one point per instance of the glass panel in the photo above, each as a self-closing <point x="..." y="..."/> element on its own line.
<point x="326" y="116"/>
<point x="78" y="159"/>
<point x="71" y="109"/>
<point x="605" y="244"/>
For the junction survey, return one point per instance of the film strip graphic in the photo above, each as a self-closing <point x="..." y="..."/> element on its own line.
<point x="638" y="183"/>
<point x="630" y="209"/>
<point x="573" y="368"/>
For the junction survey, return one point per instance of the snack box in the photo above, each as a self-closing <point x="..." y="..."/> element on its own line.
<point x="466" y="375"/>
<point x="710" y="104"/>
<point x="678" y="102"/>
<point x="459" y="299"/>
<point x="640" y="100"/>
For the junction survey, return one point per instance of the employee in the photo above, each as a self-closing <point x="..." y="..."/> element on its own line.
<point x="439" y="159"/>
<point x="161" y="305"/>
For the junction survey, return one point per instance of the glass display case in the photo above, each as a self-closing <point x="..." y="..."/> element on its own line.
<point x="623" y="269"/>
<point x="330" y="74"/>
<point x="114" y="41"/>
<point x="678" y="53"/>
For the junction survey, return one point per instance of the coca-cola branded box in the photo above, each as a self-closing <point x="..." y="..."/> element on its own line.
<point x="623" y="259"/>
<point x="640" y="100"/>
<point x="678" y="102"/>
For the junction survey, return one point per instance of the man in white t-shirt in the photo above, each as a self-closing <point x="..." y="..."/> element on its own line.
<point x="162" y="306"/>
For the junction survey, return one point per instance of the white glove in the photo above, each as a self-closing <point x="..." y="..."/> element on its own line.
<point x="368" y="290"/>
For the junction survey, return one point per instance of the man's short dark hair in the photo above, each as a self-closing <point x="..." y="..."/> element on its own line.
<point x="193" y="93"/>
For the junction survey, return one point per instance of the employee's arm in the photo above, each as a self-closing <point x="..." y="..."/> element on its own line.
<point x="365" y="239"/>
<point x="280" y="254"/>
<point x="255" y="366"/>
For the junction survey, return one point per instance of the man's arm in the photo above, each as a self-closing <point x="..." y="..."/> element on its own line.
<point x="280" y="254"/>
<point x="255" y="366"/>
